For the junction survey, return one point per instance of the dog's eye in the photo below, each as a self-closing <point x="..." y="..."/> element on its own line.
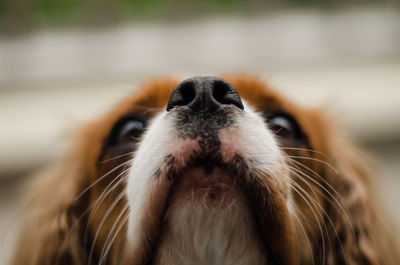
<point x="127" y="130"/>
<point x="284" y="126"/>
<point x="130" y="131"/>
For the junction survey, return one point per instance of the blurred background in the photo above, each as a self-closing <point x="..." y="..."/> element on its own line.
<point x="64" y="62"/>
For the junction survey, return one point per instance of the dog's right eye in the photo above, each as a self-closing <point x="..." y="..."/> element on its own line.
<point x="285" y="127"/>
<point x="127" y="130"/>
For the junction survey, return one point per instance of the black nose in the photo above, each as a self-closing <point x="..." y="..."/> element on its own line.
<point x="206" y="94"/>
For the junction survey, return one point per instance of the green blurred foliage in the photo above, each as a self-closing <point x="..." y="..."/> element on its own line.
<point x="24" y="15"/>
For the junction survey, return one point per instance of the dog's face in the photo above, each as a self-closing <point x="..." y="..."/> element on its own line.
<point x="211" y="171"/>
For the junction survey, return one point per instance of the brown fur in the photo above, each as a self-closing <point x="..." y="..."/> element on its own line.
<point x="341" y="213"/>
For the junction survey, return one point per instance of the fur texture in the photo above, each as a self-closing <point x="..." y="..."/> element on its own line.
<point x="267" y="198"/>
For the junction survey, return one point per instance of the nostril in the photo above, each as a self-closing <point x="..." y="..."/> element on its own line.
<point x="224" y="93"/>
<point x="188" y="93"/>
<point x="183" y="95"/>
<point x="219" y="92"/>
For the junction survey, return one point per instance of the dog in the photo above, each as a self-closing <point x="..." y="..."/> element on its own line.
<point x="207" y="171"/>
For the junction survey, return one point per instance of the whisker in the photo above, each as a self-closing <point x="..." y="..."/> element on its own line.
<point x="339" y="204"/>
<point x="102" y="197"/>
<point x="303" y="149"/>
<point x="297" y="172"/>
<point x="103" y="220"/>
<point x="320" y="207"/>
<point x="314" y="214"/>
<point x="116" y="157"/>
<point x="98" y="201"/>
<point x="96" y="204"/>
<point x="110" y="240"/>
<point x="317" y="160"/>
<point x="101" y="178"/>
<point x="307" y="239"/>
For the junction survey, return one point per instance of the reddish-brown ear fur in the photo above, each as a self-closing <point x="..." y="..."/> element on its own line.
<point x="368" y="239"/>
<point x="55" y="224"/>
<point x="51" y="234"/>
<point x="358" y="231"/>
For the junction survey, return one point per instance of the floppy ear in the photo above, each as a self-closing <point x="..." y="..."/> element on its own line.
<point x="357" y="232"/>
<point x="53" y="231"/>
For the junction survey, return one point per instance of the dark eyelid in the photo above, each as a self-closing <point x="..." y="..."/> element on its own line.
<point x="298" y="133"/>
<point x="118" y="125"/>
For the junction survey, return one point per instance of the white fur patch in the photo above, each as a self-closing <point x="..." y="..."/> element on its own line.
<point x="157" y="142"/>
<point x="201" y="235"/>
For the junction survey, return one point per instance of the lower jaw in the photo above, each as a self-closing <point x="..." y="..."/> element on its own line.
<point x="201" y="188"/>
<point x="209" y="225"/>
<point x="212" y="197"/>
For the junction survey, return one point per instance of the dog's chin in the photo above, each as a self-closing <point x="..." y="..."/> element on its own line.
<point x="208" y="222"/>
<point x="208" y="188"/>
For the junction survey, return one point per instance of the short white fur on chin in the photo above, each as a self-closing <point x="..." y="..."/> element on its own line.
<point x="199" y="234"/>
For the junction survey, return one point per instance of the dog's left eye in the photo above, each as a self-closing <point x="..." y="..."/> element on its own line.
<point x="127" y="130"/>
<point x="284" y="126"/>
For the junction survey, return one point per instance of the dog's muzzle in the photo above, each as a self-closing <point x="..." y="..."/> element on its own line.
<point x="202" y="106"/>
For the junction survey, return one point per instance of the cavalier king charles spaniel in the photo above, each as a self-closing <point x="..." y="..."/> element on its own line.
<point x="207" y="171"/>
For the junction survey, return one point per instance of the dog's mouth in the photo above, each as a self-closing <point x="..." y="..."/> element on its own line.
<point x="206" y="187"/>
<point x="207" y="181"/>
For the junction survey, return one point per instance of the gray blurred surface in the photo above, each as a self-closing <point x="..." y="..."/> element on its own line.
<point x="51" y="82"/>
<point x="208" y="45"/>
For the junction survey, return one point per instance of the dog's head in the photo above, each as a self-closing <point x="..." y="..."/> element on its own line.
<point x="206" y="171"/>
